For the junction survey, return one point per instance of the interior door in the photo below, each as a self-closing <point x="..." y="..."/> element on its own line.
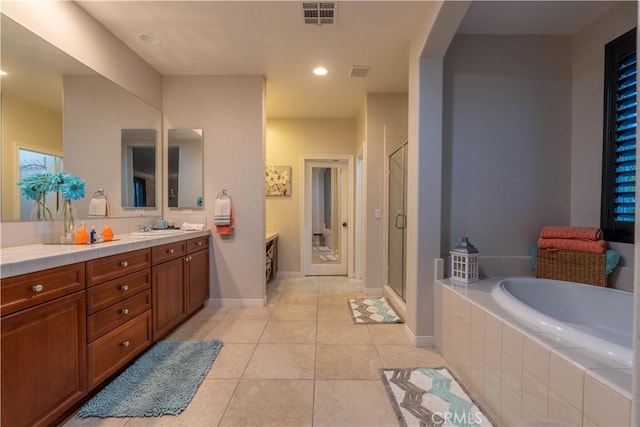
<point x="326" y="216"/>
<point x="397" y="220"/>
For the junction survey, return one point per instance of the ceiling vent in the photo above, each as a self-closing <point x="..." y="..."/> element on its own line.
<point x="360" y="70"/>
<point x="319" y="13"/>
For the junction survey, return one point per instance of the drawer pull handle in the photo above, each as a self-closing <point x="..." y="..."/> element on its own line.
<point x="124" y="288"/>
<point x="37" y="288"/>
<point x="170" y="251"/>
<point x="126" y="343"/>
<point x="124" y="311"/>
<point x="124" y="264"/>
<point x="199" y="244"/>
<point x="187" y="259"/>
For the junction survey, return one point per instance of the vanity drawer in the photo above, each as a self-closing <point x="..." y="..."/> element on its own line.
<point x="111" y="267"/>
<point x="101" y="296"/>
<point x="197" y="244"/>
<point x="34" y="288"/>
<point x="110" y="352"/>
<point x="169" y="251"/>
<point x="111" y="317"/>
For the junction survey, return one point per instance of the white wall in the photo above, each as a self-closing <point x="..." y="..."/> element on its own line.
<point x="230" y="111"/>
<point x="287" y="141"/>
<point x="587" y="124"/>
<point x="507" y="140"/>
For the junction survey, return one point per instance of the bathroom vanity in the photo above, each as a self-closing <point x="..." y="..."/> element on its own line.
<point x="271" y="255"/>
<point x="68" y="329"/>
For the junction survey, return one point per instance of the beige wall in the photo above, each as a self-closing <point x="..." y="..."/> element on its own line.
<point x="587" y="114"/>
<point x="230" y="111"/>
<point x="386" y="124"/>
<point x="89" y="42"/>
<point x="30" y="126"/>
<point x="287" y="141"/>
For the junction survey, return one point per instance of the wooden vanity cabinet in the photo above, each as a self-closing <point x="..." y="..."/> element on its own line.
<point x="180" y="278"/>
<point x="119" y="312"/>
<point x="43" y="367"/>
<point x="197" y="273"/>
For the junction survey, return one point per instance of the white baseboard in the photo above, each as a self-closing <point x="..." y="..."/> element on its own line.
<point x="373" y="291"/>
<point x="419" y="341"/>
<point x="284" y="274"/>
<point x="228" y="302"/>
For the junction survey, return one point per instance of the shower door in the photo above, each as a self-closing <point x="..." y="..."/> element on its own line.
<point x="397" y="220"/>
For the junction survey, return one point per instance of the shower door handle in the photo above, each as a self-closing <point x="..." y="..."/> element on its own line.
<point x="404" y="221"/>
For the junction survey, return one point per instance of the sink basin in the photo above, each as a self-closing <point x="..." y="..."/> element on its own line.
<point x="158" y="232"/>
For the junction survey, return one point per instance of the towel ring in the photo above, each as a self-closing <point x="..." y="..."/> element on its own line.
<point x="99" y="194"/>
<point x="224" y="194"/>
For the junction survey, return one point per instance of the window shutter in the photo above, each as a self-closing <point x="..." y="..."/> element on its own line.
<point x="618" y="203"/>
<point x="626" y="123"/>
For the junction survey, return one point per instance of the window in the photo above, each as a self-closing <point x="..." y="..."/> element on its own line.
<point x="618" y="210"/>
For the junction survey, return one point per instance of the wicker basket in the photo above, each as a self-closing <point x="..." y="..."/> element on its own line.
<point x="572" y="266"/>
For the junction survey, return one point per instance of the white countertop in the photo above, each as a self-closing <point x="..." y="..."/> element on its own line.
<point x="270" y="236"/>
<point x="31" y="258"/>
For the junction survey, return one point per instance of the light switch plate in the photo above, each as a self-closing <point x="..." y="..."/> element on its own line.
<point x="377" y="213"/>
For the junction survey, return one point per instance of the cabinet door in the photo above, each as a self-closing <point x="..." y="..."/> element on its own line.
<point x="169" y="304"/>
<point x="43" y="361"/>
<point x="197" y="279"/>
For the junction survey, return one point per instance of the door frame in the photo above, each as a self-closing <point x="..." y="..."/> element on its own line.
<point x="305" y="210"/>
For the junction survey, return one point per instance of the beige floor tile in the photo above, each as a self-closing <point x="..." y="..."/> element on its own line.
<point x="342" y="332"/>
<point x="338" y="297"/>
<point x="282" y="361"/>
<point x="211" y="312"/>
<point x="302" y="298"/>
<point x="347" y="362"/>
<point x="352" y="403"/>
<point x="195" y="329"/>
<point x="270" y="403"/>
<point x="250" y="313"/>
<point x="388" y="334"/>
<point x="232" y="361"/>
<point x="337" y="286"/>
<point x="96" y="422"/>
<point x="238" y="331"/>
<point x="334" y="312"/>
<point x="296" y="286"/>
<point x="205" y="409"/>
<point x="408" y="356"/>
<point x="273" y="296"/>
<point x="289" y="332"/>
<point x="295" y="312"/>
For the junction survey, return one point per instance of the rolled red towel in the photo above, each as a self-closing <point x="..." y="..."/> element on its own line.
<point x="595" y="246"/>
<point x="565" y="232"/>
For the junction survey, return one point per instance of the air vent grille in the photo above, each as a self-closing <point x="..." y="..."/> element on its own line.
<point x="360" y="70"/>
<point x="319" y="13"/>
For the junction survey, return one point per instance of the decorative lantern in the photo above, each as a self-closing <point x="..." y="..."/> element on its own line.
<point x="464" y="262"/>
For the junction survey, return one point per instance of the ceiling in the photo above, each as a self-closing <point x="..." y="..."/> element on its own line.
<point x="270" y="38"/>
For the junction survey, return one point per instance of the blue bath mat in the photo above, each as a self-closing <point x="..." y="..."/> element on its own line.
<point x="431" y="397"/>
<point x="161" y="382"/>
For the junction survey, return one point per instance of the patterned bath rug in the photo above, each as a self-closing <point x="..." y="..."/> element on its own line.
<point x="372" y="310"/>
<point x="431" y="397"/>
<point x="161" y="382"/>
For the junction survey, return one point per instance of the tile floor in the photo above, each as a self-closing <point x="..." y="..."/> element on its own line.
<point x="299" y="361"/>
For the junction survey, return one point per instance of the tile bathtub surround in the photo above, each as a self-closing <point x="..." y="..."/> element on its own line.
<point x="527" y="375"/>
<point x="294" y="363"/>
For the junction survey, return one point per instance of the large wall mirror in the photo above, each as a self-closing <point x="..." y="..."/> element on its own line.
<point x="58" y="114"/>
<point x="185" y="180"/>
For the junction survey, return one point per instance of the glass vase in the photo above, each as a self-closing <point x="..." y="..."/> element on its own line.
<point x="68" y="218"/>
<point x="40" y="211"/>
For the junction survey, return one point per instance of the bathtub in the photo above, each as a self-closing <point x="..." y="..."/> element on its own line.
<point x="600" y="319"/>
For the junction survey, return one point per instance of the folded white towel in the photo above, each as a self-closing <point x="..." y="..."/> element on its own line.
<point x="98" y="207"/>
<point x="222" y="212"/>
<point x="192" y="227"/>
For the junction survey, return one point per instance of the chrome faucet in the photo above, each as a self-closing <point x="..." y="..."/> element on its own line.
<point x="145" y="228"/>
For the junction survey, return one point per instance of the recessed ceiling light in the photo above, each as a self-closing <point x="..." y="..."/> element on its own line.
<point x="149" y="38"/>
<point x="3" y="73"/>
<point x="320" y="71"/>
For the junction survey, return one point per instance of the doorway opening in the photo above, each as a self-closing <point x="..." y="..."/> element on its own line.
<point x="326" y="239"/>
